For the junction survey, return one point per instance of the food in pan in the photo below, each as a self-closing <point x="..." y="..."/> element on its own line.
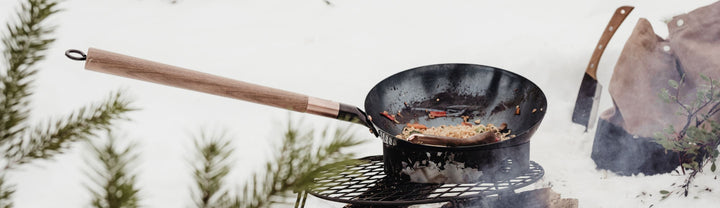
<point x="391" y="117"/>
<point x="463" y="130"/>
<point x="435" y="114"/>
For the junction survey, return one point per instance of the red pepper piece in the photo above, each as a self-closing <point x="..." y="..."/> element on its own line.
<point x="391" y="117"/>
<point x="435" y="114"/>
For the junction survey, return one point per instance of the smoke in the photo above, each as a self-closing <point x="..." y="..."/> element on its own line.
<point x="544" y="197"/>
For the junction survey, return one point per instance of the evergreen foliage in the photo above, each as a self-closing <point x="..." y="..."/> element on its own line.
<point x="24" y="45"/>
<point x="51" y="139"/>
<point x="212" y="166"/>
<point x="115" y="183"/>
<point x="298" y="158"/>
<point x="5" y="192"/>
<point x="296" y="162"/>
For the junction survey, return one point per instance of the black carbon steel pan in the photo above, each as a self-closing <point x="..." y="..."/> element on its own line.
<point x="480" y="92"/>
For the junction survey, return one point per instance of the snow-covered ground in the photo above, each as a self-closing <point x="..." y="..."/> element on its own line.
<point x="335" y="52"/>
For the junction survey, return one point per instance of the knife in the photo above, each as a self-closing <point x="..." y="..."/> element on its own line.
<point x="586" y="104"/>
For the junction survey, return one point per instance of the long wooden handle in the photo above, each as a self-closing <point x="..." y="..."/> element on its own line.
<point x="136" y="68"/>
<point x="617" y="19"/>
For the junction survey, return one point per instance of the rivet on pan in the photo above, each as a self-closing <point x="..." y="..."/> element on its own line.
<point x="611" y="28"/>
<point x="600" y="47"/>
<point x="666" y="48"/>
<point x="592" y="65"/>
<point x="622" y="11"/>
<point x="680" y="22"/>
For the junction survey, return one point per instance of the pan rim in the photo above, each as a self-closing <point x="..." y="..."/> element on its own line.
<point x="496" y="145"/>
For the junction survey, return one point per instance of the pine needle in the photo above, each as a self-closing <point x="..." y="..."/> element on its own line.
<point x="53" y="138"/>
<point x="115" y="185"/>
<point x="6" y="192"/>
<point x="296" y="163"/>
<point x="211" y="166"/>
<point x="25" y="42"/>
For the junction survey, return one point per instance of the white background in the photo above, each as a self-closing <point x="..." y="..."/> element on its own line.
<point x="334" y="52"/>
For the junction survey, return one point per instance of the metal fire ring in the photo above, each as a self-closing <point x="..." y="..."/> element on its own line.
<point x="366" y="184"/>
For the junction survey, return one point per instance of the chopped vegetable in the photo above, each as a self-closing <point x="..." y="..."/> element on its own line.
<point x="435" y="114"/>
<point x="391" y="117"/>
<point x="416" y="126"/>
<point x="466" y="123"/>
<point x="477" y="121"/>
<point x="517" y="110"/>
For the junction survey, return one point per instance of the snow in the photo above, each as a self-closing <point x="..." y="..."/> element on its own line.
<point x="334" y="52"/>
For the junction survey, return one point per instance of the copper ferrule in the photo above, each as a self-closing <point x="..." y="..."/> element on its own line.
<point x="323" y="107"/>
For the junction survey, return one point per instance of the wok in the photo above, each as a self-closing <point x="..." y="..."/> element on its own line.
<point x="489" y="94"/>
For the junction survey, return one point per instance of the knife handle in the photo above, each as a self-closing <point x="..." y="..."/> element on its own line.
<point x="620" y="14"/>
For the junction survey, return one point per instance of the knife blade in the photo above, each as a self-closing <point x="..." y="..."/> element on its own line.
<point x="588" y="97"/>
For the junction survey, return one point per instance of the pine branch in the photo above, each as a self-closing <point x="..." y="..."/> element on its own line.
<point x="115" y="184"/>
<point x="25" y="42"/>
<point x="212" y="165"/>
<point x="295" y="164"/>
<point x="53" y="138"/>
<point x="6" y="192"/>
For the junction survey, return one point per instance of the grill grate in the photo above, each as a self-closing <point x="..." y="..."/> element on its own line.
<point x="366" y="184"/>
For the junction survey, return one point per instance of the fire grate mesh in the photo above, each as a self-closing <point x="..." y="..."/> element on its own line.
<point x="366" y="184"/>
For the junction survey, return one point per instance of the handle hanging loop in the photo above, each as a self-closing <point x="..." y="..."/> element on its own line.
<point x="76" y="55"/>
